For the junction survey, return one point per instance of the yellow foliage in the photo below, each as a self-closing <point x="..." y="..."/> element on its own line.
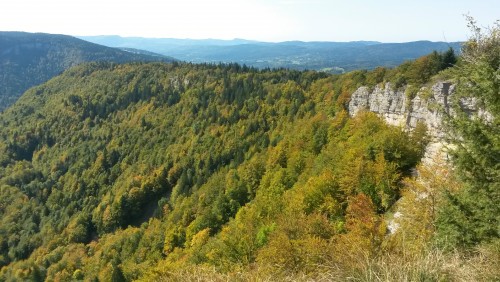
<point x="199" y="239"/>
<point x="365" y="233"/>
<point x="418" y="206"/>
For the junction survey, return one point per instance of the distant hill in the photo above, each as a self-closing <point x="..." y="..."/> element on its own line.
<point x="333" y="57"/>
<point x="142" y="52"/>
<point x="28" y="59"/>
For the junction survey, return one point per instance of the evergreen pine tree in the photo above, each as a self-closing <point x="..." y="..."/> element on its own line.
<point x="449" y="58"/>
<point x="472" y="215"/>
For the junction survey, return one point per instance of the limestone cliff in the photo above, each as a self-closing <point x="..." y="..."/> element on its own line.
<point x="397" y="108"/>
<point x="429" y="106"/>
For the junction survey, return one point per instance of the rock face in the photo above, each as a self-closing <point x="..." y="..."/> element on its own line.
<point x="429" y="106"/>
<point x="396" y="108"/>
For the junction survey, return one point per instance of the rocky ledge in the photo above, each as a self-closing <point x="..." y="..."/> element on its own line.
<point x="397" y="107"/>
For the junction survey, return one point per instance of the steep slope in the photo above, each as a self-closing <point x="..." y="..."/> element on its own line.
<point x="453" y="203"/>
<point x="429" y="107"/>
<point x="167" y="172"/>
<point x="28" y="59"/>
<point x="133" y="162"/>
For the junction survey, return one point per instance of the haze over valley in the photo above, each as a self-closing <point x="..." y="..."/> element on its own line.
<point x="332" y="57"/>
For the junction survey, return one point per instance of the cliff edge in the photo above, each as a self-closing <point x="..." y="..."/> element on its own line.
<point x="397" y="107"/>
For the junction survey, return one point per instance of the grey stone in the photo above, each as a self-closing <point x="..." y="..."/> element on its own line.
<point x="428" y="107"/>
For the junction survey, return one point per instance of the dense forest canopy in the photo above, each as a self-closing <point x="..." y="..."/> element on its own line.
<point x="28" y="59"/>
<point x="175" y="171"/>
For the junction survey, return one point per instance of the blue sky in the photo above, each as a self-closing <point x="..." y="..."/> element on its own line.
<point x="271" y="20"/>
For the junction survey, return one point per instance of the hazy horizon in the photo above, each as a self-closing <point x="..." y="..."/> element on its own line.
<point x="252" y="40"/>
<point x="259" y="20"/>
<point x="227" y="40"/>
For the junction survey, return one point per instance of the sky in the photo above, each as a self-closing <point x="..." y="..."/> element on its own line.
<point x="263" y="20"/>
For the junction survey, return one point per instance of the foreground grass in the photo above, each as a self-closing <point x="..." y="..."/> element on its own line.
<point x="482" y="264"/>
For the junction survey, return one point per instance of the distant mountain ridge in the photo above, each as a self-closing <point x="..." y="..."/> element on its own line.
<point x="333" y="57"/>
<point x="28" y="59"/>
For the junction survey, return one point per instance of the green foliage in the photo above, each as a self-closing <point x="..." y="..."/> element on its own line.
<point x="420" y="71"/>
<point x="102" y="143"/>
<point x="475" y="209"/>
<point x="117" y="172"/>
<point x="30" y="59"/>
<point x="411" y="92"/>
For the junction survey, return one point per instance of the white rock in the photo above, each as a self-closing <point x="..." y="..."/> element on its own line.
<point x="393" y="107"/>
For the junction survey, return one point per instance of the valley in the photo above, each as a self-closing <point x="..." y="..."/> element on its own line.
<point x="126" y="165"/>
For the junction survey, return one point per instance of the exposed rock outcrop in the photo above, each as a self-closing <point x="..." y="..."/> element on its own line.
<point x="428" y="106"/>
<point x="397" y="108"/>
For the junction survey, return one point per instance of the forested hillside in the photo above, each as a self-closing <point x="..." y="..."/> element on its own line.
<point x="168" y="172"/>
<point x="28" y="59"/>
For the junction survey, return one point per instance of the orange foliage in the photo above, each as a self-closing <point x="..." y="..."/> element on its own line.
<point x="365" y="232"/>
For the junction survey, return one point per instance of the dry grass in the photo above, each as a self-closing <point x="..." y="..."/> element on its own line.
<point x="481" y="265"/>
